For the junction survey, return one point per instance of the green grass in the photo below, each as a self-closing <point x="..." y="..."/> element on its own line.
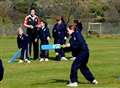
<point x="104" y="62"/>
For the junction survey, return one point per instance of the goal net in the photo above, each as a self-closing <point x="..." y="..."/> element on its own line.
<point x="96" y="27"/>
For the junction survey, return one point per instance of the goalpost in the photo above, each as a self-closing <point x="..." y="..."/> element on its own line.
<point x="94" y="28"/>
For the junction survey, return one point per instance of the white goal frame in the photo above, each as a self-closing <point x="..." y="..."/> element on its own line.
<point x="90" y="24"/>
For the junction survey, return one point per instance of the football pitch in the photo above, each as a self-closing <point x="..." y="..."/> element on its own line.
<point x="104" y="62"/>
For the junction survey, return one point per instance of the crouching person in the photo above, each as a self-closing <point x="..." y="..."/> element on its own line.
<point x="80" y="50"/>
<point x="1" y="70"/>
<point x="22" y="41"/>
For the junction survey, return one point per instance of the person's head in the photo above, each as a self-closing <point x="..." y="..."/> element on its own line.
<point x="71" y="29"/>
<point x="32" y="12"/>
<point x="60" y="19"/>
<point x="43" y="24"/>
<point x="19" y="31"/>
<point x="76" y="22"/>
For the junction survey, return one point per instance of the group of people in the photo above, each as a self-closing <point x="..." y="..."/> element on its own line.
<point x="37" y="30"/>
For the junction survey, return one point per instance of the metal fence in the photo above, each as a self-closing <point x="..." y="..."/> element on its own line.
<point x="103" y="28"/>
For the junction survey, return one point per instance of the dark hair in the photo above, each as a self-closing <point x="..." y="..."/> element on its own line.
<point x="76" y="21"/>
<point x="72" y="27"/>
<point x="60" y="18"/>
<point x="57" y="18"/>
<point x="44" y="23"/>
<point x="31" y="10"/>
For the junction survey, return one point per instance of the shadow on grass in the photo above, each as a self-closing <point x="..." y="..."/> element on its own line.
<point x="54" y="81"/>
<point x="50" y="82"/>
<point x="64" y="81"/>
<point x="59" y="81"/>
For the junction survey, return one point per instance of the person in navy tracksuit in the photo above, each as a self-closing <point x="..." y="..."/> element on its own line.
<point x="1" y="70"/>
<point x="22" y="41"/>
<point x="59" y="34"/>
<point x="44" y="36"/>
<point x="80" y="50"/>
<point x="79" y="28"/>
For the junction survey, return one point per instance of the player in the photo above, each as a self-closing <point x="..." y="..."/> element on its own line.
<point x="80" y="50"/>
<point x="32" y="23"/>
<point x="22" y="41"/>
<point x="59" y="33"/>
<point x="44" y="36"/>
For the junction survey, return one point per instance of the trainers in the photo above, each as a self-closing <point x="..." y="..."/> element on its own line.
<point x="63" y="58"/>
<point x="73" y="58"/>
<point x="27" y="61"/>
<point x="94" y="81"/>
<point x="20" y="61"/>
<point x="46" y="59"/>
<point x="41" y="59"/>
<point x="74" y="84"/>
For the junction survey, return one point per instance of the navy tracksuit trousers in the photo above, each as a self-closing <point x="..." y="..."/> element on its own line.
<point x="44" y="53"/>
<point x="81" y="64"/>
<point x="60" y="52"/>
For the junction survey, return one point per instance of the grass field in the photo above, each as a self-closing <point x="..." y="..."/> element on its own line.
<point x="104" y="62"/>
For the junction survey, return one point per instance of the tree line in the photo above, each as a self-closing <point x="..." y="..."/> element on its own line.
<point x="93" y="10"/>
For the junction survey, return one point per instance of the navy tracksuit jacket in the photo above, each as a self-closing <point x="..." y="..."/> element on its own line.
<point x="43" y="33"/>
<point x="80" y="50"/>
<point x="1" y="70"/>
<point x="22" y="41"/>
<point x="59" y="32"/>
